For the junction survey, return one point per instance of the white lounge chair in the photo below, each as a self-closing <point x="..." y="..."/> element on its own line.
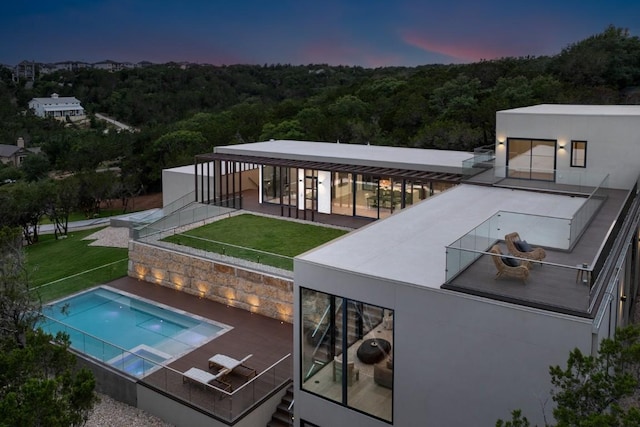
<point x="228" y="364"/>
<point x="206" y="378"/>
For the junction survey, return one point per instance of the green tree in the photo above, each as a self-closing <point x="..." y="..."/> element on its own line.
<point x="40" y="384"/>
<point x="593" y="390"/>
<point x="35" y="167"/>
<point x="62" y="199"/>
<point x="611" y="58"/>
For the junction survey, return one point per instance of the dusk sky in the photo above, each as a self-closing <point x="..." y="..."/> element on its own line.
<point x="369" y="33"/>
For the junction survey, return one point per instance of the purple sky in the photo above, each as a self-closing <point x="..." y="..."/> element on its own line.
<point x="370" y="33"/>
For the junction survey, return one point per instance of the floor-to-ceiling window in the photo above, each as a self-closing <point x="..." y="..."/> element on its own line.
<point x="365" y="188"/>
<point x="342" y="194"/>
<point x="531" y="159"/>
<point x="347" y="352"/>
<point x="279" y="184"/>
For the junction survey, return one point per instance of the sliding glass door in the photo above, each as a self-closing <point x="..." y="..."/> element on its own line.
<point x="531" y="159"/>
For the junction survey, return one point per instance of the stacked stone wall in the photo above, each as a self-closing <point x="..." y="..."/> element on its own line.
<point x="225" y="283"/>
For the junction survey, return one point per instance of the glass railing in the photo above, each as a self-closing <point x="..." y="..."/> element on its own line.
<point x="569" y="181"/>
<point x="205" y="247"/>
<point x="550" y="285"/>
<point x="538" y="230"/>
<point x="226" y="404"/>
<point x="127" y="361"/>
<point x="481" y="158"/>
<point x="586" y="212"/>
<point x="191" y="215"/>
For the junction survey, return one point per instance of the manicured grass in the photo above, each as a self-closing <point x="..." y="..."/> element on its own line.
<point x="50" y="260"/>
<point x="243" y="236"/>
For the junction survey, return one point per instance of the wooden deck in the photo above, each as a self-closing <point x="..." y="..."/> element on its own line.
<point x="268" y="340"/>
<point x="554" y="284"/>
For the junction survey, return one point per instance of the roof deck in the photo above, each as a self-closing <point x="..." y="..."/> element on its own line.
<point x="561" y="282"/>
<point x="411" y="246"/>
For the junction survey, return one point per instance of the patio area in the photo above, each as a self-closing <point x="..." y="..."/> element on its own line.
<point x="268" y="340"/>
<point x="555" y="284"/>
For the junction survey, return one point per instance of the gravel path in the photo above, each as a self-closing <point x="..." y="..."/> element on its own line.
<point x="116" y="237"/>
<point x="111" y="413"/>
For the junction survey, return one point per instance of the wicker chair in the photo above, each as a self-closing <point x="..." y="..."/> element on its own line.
<point x="519" y="272"/>
<point x="535" y="254"/>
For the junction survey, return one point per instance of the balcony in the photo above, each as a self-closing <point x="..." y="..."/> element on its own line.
<point x="577" y="247"/>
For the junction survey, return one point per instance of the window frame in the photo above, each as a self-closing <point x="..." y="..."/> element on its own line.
<point x="574" y="149"/>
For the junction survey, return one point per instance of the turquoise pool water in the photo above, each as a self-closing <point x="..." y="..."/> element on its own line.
<point x="131" y="334"/>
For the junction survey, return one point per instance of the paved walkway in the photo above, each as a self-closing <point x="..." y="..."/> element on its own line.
<point x="96" y="222"/>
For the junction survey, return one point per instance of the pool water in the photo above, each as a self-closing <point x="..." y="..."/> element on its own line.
<point x="131" y="334"/>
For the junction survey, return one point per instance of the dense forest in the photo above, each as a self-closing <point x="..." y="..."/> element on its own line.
<point x="180" y="112"/>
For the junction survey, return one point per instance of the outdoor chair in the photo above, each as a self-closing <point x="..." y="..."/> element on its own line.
<point x="521" y="249"/>
<point x="206" y="378"/>
<point x="509" y="267"/>
<point x="228" y="364"/>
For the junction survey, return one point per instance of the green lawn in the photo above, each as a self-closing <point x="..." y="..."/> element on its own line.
<point x="257" y="238"/>
<point x="72" y="259"/>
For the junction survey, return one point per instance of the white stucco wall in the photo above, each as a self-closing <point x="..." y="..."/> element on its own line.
<point x="451" y="351"/>
<point x="178" y="181"/>
<point x="613" y="137"/>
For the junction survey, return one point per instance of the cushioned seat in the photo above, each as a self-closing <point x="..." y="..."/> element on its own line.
<point x="521" y="249"/>
<point x="383" y="373"/>
<point x="518" y="270"/>
<point x="229" y="364"/>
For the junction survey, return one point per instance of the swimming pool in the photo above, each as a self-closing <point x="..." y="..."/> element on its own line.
<point x="128" y="332"/>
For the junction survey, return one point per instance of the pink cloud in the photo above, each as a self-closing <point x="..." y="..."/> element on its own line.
<point x="460" y="51"/>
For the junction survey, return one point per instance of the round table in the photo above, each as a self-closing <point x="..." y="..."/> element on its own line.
<point x="373" y="350"/>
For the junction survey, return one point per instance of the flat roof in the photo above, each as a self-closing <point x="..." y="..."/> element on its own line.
<point x="577" y="110"/>
<point x="409" y="246"/>
<point x="418" y="159"/>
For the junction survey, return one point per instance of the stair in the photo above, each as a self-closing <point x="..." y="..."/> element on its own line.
<point x="282" y="417"/>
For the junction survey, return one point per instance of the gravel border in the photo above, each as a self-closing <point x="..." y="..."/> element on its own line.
<point x="111" y="413"/>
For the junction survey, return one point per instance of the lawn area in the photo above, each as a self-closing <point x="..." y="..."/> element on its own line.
<point x="256" y="238"/>
<point x="72" y="259"/>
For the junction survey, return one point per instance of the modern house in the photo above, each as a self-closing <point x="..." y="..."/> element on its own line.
<point x="305" y="178"/>
<point x="465" y="347"/>
<point x="58" y="107"/>
<point x="417" y="317"/>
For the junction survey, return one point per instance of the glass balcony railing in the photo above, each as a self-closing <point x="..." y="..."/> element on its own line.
<point x="563" y="288"/>
<point x="541" y="231"/>
<point x="569" y="181"/>
<point x="226" y="404"/>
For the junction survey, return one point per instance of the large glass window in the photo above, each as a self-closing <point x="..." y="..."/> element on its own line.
<point x="579" y="154"/>
<point x="531" y="159"/>
<point x="347" y="352"/>
<point x="366" y="200"/>
<point x="279" y="184"/>
<point x="342" y="196"/>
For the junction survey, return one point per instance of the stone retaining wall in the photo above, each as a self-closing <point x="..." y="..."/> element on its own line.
<point x="228" y="284"/>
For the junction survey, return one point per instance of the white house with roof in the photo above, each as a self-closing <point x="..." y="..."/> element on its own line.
<point x="465" y="347"/>
<point x="415" y="319"/>
<point x="58" y="107"/>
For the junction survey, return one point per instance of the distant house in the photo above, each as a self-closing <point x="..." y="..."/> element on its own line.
<point x="25" y="70"/>
<point x="109" y="65"/>
<point x="15" y="154"/>
<point x="57" y="107"/>
<point x="71" y="65"/>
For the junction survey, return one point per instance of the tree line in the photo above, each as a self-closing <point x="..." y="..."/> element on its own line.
<point x="183" y="112"/>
